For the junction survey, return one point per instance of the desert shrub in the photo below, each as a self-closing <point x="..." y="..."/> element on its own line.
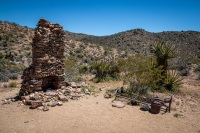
<point x="105" y="71"/>
<point x="197" y="68"/>
<point x="12" y="84"/>
<point x="178" y="63"/>
<point x="3" y="78"/>
<point x="71" y="70"/>
<point x="140" y="73"/>
<point x="177" y="115"/>
<point x="173" y="81"/>
<point x="13" y="76"/>
<point x="90" y="88"/>
<point x="83" y="69"/>
<point x="184" y="72"/>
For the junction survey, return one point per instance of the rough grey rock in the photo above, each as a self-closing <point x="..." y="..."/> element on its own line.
<point x="53" y="104"/>
<point x="62" y="98"/>
<point x="35" y="104"/>
<point x="73" y="84"/>
<point x="118" y="104"/>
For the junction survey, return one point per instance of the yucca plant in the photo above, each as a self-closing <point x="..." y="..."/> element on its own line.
<point x="162" y="52"/>
<point x="173" y="80"/>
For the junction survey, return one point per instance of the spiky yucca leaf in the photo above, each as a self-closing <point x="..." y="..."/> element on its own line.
<point x="162" y="52"/>
<point x="173" y="80"/>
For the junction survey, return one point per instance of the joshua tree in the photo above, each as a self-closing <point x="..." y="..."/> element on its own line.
<point x="162" y="52"/>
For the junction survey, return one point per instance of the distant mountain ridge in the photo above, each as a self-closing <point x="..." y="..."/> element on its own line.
<point x="139" y="40"/>
<point x="132" y="41"/>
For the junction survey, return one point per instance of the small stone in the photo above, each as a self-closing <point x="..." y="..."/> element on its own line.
<point x="36" y="104"/>
<point x="45" y="107"/>
<point x="118" y="104"/>
<point x="27" y="102"/>
<point x="84" y="84"/>
<point x="74" y="98"/>
<point x="62" y="98"/>
<point x="50" y="93"/>
<point x="78" y="90"/>
<point x="73" y="84"/>
<point x="107" y="96"/>
<point x="68" y="91"/>
<point x="5" y="102"/>
<point x="53" y="104"/>
<point x="26" y="122"/>
<point x="62" y="87"/>
<point x="60" y="103"/>
<point x="87" y="92"/>
<point x="40" y="108"/>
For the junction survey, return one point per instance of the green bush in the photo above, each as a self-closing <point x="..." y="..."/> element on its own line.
<point x="71" y="70"/>
<point x="140" y="73"/>
<point x="90" y="88"/>
<point x="12" y="84"/>
<point x="105" y="71"/>
<point x="83" y="69"/>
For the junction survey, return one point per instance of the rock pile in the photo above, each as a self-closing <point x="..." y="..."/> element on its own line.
<point x="47" y="68"/>
<point x="51" y="98"/>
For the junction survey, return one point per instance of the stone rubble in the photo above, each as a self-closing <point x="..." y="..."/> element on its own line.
<point x="43" y="100"/>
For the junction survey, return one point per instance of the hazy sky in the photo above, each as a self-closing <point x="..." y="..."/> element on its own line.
<point x="105" y="17"/>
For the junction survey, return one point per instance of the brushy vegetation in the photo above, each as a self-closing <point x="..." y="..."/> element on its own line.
<point x="71" y="70"/>
<point x="9" y="70"/>
<point x="144" y="74"/>
<point x="105" y="71"/>
<point x="89" y="88"/>
<point x="177" y="115"/>
<point x="12" y="84"/>
<point x="140" y="73"/>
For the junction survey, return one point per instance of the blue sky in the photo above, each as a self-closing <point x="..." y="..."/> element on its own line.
<point x="105" y="17"/>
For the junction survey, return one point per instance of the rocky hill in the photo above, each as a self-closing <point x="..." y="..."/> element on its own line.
<point x="187" y="43"/>
<point x="16" y="40"/>
<point x="16" y="49"/>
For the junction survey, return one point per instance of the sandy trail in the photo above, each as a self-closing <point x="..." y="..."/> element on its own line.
<point x="91" y="114"/>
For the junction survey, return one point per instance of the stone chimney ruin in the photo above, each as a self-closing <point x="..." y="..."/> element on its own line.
<point x="47" y="68"/>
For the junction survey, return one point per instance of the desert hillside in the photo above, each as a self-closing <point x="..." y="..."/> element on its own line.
<point x="139" y="41"/>
<point x="187" y="43"/>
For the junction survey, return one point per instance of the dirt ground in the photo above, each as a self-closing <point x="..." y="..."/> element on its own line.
<point x="94" y="113"/>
